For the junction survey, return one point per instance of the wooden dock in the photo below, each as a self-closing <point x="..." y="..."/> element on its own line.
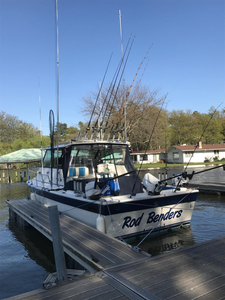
<point x="89" y="247"/>
<point x="195" y="272"/>
<point x="209" y="188"/>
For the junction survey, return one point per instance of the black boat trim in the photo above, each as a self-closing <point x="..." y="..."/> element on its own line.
<point x="117" y="208"/>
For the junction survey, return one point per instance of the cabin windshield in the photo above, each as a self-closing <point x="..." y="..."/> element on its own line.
<point x="99" y="160"/>
<point x="47" y="159"/>
<point x="81" y="162"/>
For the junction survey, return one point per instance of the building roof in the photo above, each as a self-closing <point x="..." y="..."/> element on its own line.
<point x="204" y="147"/>
<point x="21" y="156"/>
<point x="149" y="151"/>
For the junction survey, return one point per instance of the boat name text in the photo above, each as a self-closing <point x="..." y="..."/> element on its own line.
<point x="129" y="222"/>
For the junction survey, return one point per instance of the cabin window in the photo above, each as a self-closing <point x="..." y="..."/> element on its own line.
<point x="47" y="159"/>
<point x="111" y="160"/>
<point x="216" y="152"/>
<point x="81" y="162"/>
<point x="175" y="155"/>
<point x="101" y="160"/>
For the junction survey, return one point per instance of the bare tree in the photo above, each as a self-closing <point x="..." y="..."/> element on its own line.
<point x="141" y="106"/>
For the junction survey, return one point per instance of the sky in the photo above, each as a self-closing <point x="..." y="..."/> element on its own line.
<point x="187" y="58"/>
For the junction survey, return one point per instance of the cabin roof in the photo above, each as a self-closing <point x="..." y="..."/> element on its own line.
<point x="89" y="142"/>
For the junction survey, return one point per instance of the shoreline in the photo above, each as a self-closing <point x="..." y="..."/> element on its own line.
<point x="178" y="165"/>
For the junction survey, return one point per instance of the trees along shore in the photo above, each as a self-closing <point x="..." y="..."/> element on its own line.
<point x="144" y="119"/>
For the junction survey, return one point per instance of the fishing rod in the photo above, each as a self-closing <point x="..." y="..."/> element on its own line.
<point x="88" y="127"/>
<point x="111" y="88"/>
<point x="104" y="102"/>
<point x="123" y="126"/>
<point x="132" y="193"/>
<point x="123" y="104"/>
<point x="117" y="88"/>
<point x="189" y="176"/>
<point x="212" y="115"/>
<point x="96" y="122"/>
<point x="124" y="65"/>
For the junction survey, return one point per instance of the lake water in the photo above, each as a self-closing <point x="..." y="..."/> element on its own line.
<point x="26" y="257"/>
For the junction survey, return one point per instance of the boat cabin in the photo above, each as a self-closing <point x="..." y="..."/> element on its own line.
<point x="107" y="165"/>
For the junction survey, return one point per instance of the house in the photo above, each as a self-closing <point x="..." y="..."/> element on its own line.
<point x="150" y="156"/>
<point x="181" y="154"/>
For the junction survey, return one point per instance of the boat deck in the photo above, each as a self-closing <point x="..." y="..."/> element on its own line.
<point x="195" y="272"/>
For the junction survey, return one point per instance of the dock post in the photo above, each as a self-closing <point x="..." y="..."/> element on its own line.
<point x="8" y="173"/>
<point x="57" y="243"/>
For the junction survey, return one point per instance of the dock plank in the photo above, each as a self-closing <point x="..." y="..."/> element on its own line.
<point x="182" y="274"/>
<point x="214" y="294"/>
<point x="85" y="288"/>
<point x="148" y="271"/>
<point x="185" y="278"/>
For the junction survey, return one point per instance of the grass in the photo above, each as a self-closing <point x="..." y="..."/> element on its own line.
<point x="163" y="165"/>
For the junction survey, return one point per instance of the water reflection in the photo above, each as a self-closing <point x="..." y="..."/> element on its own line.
<point x="167" y="241"/>
<point x="37" y="247"/>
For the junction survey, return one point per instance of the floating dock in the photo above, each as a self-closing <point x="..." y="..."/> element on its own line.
<point x="117" y="272"/>
<point x="209" y="188"/>
<point x="89" y="247"/>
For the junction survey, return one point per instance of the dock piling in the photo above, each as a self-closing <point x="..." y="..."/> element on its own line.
<point x="57" y="243"/>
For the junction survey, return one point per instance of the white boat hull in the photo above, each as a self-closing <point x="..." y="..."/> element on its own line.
<point x="128" y="223"/>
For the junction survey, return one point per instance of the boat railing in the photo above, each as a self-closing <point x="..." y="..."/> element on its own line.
<point x="40" y="178"/>
<point x="34" y="176"/>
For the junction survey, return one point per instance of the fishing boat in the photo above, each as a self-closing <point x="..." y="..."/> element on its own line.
<point x="93" y="179"/>
<point x="95" y="182"/>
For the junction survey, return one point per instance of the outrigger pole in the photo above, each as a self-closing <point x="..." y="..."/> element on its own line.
<point x="57" y="37"/>
<point x="51" y="129"/>
<point x="40" y="123"/>
<point x="121" y="38"/>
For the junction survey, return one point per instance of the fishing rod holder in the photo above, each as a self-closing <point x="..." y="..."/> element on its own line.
<point x="185" y="175"/>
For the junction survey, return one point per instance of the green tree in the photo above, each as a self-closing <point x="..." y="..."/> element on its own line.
<point x="182" y="127"/>
<point x="223" y="124"/>
<point x="61" y="128"/>
<point x="16" y="134"/>
<point x="72" y="133"/>
<point x="210" y="125"/>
